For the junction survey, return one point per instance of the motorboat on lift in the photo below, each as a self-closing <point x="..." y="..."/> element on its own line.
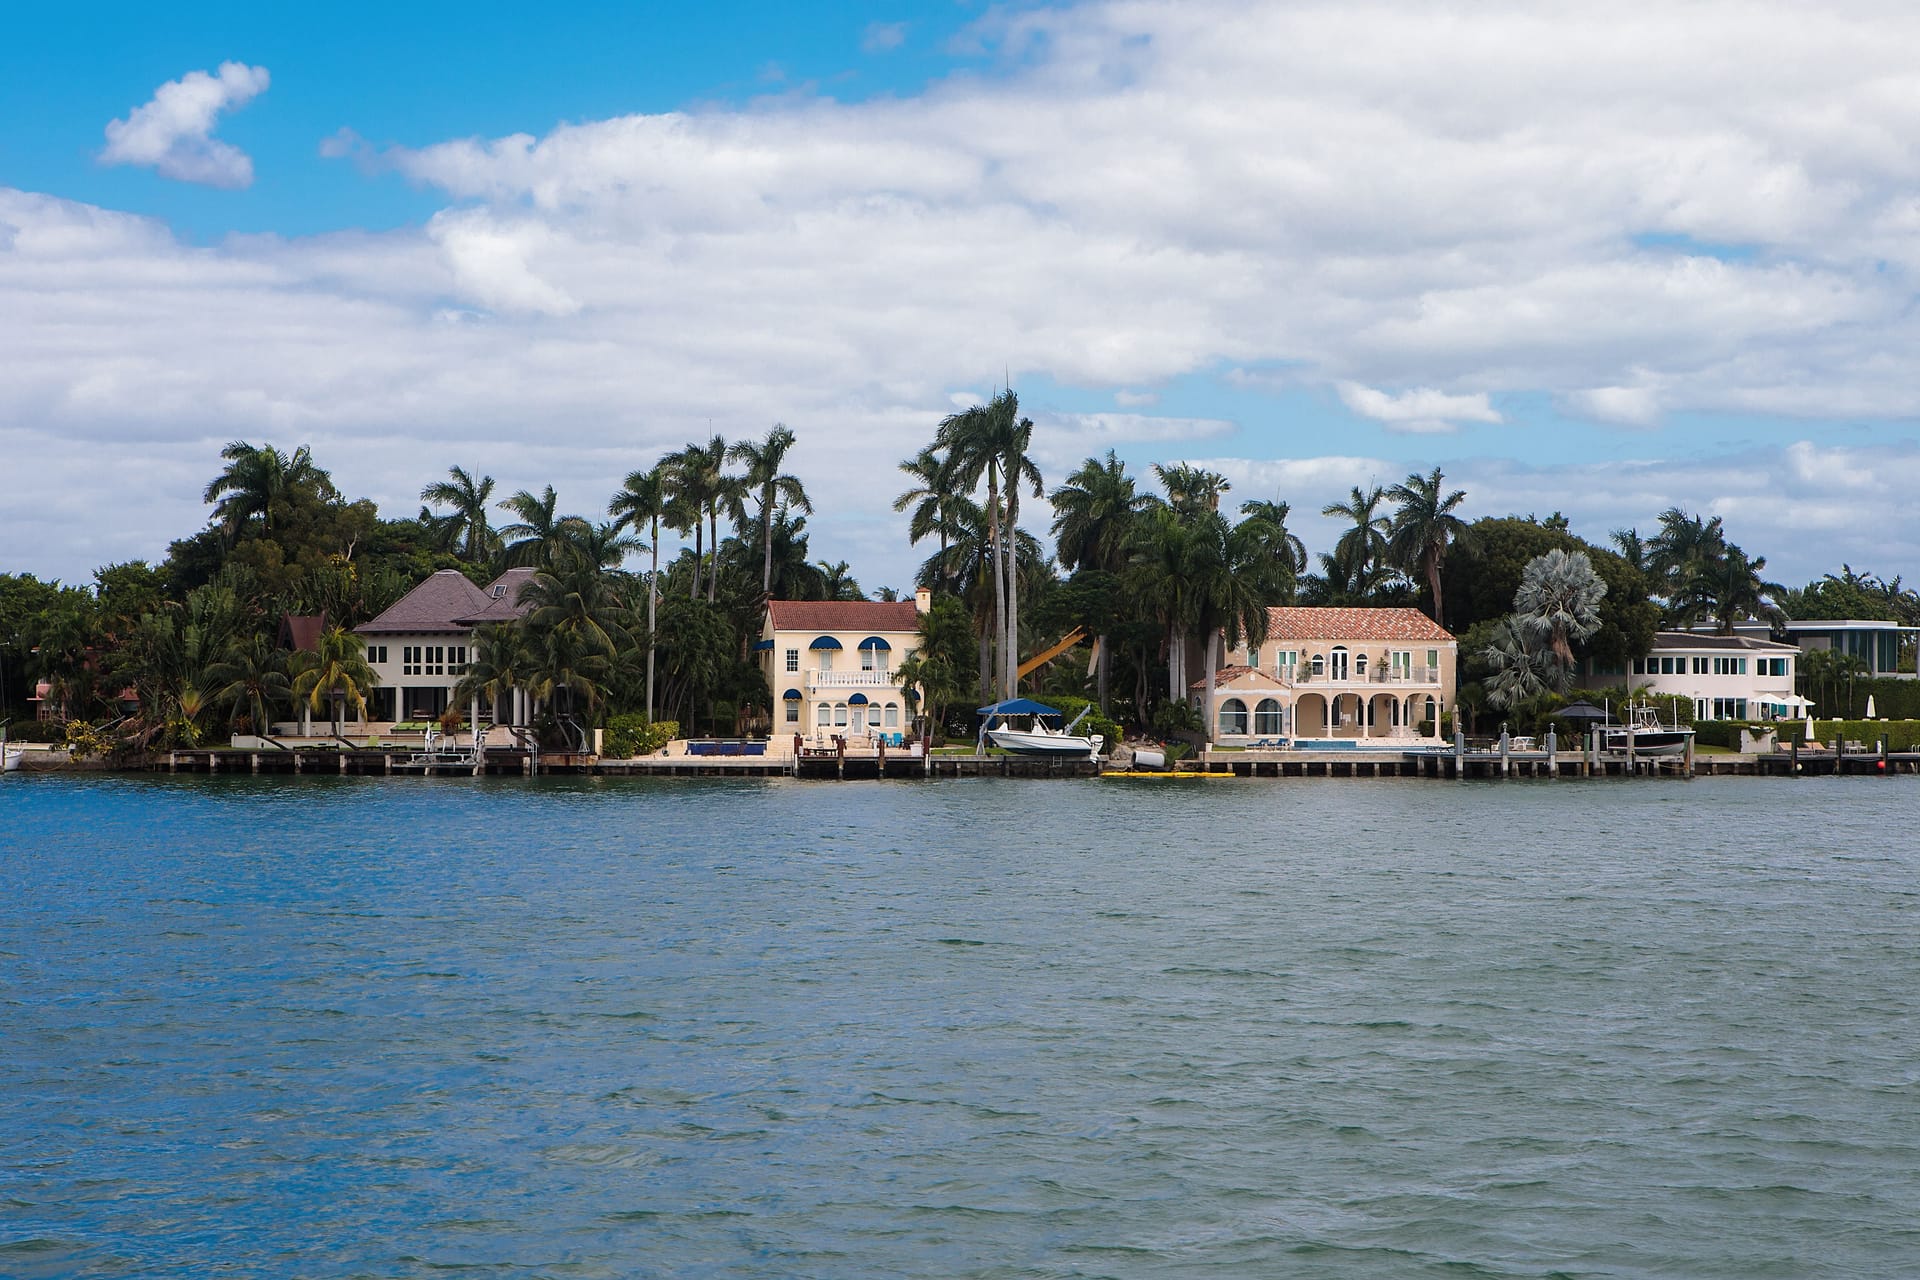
<point x="10" y="756"/>
<point x="1644" y="735"/>
<point x="1000" y="726"/>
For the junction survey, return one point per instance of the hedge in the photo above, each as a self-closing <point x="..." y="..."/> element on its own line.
<point x="1901" y="735"/>
<point x="634" y="735"/>
<point x="1892" y="699"/>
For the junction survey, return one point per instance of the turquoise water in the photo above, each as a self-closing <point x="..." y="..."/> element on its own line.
<point x="365" y="1027"/>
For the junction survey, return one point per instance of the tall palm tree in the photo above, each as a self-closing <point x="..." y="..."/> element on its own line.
<point x="1422" y="528"/>
<point x="1162" y="579"/>
<point x="1727" y="588"/>
<point x="837" y="582"/>
<point x="336" y="664"/>
<point x="642" y="500"/>
<point x="260" y="481"/>
<point x="1230" y="597"/>
<point x="1191" y="489"/>
<point x="1684" y="542"/>
<point x="701" y="488"/>
<point x="503" y="664"/>
<point x="1365" y="544"/>
<point x="540" y="533"/>
<point x="1283" y="557"/>
<point x="1095" y="514"/>
<point x="991" y="441"/>
<point x="466" y="519"/>
<point x="1558" y="603"/>
<point x="769" y="487"/>
<point x="936" y="512"/>
<point x="1632" y="548"/>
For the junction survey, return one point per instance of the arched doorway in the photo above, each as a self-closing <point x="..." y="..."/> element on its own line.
<point x="1310" y="716"/>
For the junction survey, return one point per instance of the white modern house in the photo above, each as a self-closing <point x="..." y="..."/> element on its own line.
<point x="1886" y="648"/>
<point x="1736" y="677"/>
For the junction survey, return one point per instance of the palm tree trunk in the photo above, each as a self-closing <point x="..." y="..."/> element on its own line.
<point x="999" y="582"/>
<point x="699" y="534"/>
<point x="1176" y="661"/>
<point x="1104" y="674"/>
<point x="766" y="559"/>
<point x="1206" y="697"/>
<point x="713" y="576"/>
<point x="1433" y="581"/>
<point x="653" y="598"/>
<point x="1013" y="590"/>
<point x="986" y="668"/>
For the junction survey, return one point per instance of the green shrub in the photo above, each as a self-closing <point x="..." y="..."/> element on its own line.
<point x="1070" y="706"/>
<point x="37" y="731"/>
<point x="634" y="735"/>
<point x="1901" y="735"/>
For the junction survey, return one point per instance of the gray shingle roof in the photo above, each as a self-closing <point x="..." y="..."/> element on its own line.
<point x="437" y="604"/>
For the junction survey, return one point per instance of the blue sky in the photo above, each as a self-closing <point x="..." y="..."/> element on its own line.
<point x="1580" y="260"/>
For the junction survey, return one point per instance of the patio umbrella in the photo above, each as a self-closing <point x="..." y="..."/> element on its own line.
<point x="1809" y="725"/>
<point x="1870" y="714"/>
<point x="1579" y="711"/>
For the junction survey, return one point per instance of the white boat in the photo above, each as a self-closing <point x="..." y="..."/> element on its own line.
<point x="1644" y="735"/>
<point x="10" y="758"/>
<point x="1039" y="740"/>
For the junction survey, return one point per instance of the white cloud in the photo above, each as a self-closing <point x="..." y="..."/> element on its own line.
<point x="1135" y="399"/>
<point x="1422" y="411"/>
<point x="173" y="133"/>
<point x="1425" y="213"/>
<point x="883" y="37"/>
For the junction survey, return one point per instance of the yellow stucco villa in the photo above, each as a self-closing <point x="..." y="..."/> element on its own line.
<point x="833" y="667"/>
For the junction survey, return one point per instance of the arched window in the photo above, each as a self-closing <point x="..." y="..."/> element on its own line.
<point x="1266" y="718"/>
<point x="839" y="714"/>
<point x="824" y="716"/>
<point x="893" y="715"/>
<point x="1337" y="662"/>
<point x="1233" y="718"/>
<point x="1359" y="665"/>
<point x="1319" y="665"/>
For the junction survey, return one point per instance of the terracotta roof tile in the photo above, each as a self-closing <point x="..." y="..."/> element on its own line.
<point x="1409" y="625"/>
<point x="1227" y="675"/>
<point x="437" y="604"/>
<point x="843" y="615"/>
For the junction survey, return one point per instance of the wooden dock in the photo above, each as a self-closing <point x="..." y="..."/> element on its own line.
<point x="1446" y="764"/>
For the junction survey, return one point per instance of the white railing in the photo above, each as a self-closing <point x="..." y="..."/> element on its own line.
<point x="1385" y="675"/>
<point x="851" y="680"/>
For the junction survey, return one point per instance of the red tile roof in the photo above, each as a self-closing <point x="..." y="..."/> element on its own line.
<point x="1409" y="625"/>
<point x="302" y="630"/>
<point x="843" y="615"/>
<point x="437" y="604"/>
<point x="1227" y="675"/>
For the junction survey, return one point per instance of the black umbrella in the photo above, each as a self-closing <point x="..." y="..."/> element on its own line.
<point x="1578" y="711"/>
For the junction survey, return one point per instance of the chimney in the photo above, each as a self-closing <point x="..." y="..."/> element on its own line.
<point x="922" y="600"/>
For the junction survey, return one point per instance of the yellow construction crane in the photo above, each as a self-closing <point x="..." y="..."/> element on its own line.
<point x="1045" y="656"/>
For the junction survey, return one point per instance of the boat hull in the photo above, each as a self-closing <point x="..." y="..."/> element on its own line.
<point x="1023" y="743"/>
<point x="1651" y="742"/>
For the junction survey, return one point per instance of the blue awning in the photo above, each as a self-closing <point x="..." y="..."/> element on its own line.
<point x="875" y="642"/>
<point x="761" y="646"/>
<point x="1019" y="707"/>
<point x="825" y="642"/>
<point x="791" y="695"/>
<point x="857" y="700"/>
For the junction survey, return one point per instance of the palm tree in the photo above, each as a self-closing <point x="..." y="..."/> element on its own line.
<point x="642" y="500"/>
<point x="1558" y="602"/>
<point x="1095" y="514"/>
<point x="1364" y="545"/>
<point x="991" y="441"/>
<point x="1521" y="669"/>
<point x="503" y="663"/>
<point x="837" y="582"/>
<point x="466" y="519"/>
<point x="577" y="625"/>
<point x="540" y="533"/>
<point x="768" y="487"/>
<point x="261" y="481"/>
<point x="1418" y="535"/>
<point x="934" y="503"/>
<point x="335" y="672"/>
<point x="1283" y="557"/>
<point x="1191" y="489"/>
<point x="1726" y="588"/>
<point x="1162" y="578"/>
<point x="252" y="680"/>
<point x="1632" y="548"/>
<point x="1230" y="596"/>
<point x="699" y="488"/>
<point x="1683" y="542"/>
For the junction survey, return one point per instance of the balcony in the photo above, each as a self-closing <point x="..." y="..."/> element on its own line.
<point x="1417" y="677"/>
<point x="851" y="680"/>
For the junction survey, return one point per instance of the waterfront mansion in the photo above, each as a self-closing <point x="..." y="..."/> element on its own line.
<point x="833" y="666"/>
<point x="1736" y="677"/>
<point x="1336" y="673"/>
